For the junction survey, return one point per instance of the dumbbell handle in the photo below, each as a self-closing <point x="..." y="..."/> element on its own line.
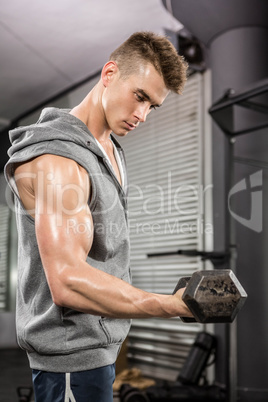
<point x="183" y="282"/>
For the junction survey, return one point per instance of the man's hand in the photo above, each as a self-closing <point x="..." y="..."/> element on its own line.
<point x="182" y="305"/>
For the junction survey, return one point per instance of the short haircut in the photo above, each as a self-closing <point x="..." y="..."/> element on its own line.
<point x="148" y="47"/>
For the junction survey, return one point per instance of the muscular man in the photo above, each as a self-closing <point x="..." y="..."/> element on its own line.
<point x="75" y="300"/>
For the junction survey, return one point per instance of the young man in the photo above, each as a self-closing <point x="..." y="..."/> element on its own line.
<point x="75" y="300"/>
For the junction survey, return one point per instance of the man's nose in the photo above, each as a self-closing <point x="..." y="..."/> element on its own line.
<point x="141" y="113"/>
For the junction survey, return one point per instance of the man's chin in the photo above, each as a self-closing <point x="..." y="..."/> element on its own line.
<point x="121" y="133"/>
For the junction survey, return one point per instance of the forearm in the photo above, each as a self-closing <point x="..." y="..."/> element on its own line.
<point x="90" y="290"/>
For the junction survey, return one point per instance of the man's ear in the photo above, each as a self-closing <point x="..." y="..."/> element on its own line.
<point x="109" y="70"/>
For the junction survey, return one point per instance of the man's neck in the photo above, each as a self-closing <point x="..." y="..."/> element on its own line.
<point x="90" y="112"/>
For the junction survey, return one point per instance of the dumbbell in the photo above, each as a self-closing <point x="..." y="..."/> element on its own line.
<point x="212" y="296"/>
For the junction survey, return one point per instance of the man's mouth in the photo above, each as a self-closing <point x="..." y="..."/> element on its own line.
<point x="130" y="125"/>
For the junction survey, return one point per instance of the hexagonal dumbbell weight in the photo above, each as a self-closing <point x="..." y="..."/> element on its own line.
<point x="213" y="296"/>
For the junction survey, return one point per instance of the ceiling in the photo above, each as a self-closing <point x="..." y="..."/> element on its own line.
<point x="48" y="46"/>
<point x="207" y="19"/>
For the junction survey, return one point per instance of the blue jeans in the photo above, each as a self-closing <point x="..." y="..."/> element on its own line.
<point x="84" y="386"/>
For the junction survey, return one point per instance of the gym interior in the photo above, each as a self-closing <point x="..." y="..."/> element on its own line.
<point x="195" y="204"/>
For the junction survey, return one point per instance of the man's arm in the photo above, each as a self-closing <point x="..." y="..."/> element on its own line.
<point x="60" y="206"/>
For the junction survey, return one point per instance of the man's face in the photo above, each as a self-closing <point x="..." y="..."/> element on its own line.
<point x="127" y="102"/>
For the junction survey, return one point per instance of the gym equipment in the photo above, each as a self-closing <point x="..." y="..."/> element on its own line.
<point x="24" y="394"/>
<point x="212" y="296"/>
<point x="132" y="394"/>
<point x="187" y="387"/>
<point x="186" y="393"/>
<point x="217" y="258"/>
<point x="173" y="393"/>
<point x="202" y="349"/>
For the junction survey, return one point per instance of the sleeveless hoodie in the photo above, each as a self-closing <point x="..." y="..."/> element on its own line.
<point x="59" y="339"/>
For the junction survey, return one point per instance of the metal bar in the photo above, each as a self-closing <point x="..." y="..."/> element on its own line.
<point x="246" y="130"/>
<point x="224" y="103"/>
<point x="251" y="162"/>
<point x="258" y="107"/>
<point x="231" y="330"/>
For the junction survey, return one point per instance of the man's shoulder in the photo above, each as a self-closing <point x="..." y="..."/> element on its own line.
<point x="50" y="163"/>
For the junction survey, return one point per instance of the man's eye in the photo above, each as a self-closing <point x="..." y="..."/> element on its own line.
<point x="152" y="107"/>
<point x="140" y="99"/>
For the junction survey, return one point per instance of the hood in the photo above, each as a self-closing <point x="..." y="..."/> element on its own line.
<point x="58" y="132"/>
<point x="53" y="124"/>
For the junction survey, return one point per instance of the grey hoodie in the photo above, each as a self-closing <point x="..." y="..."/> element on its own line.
<point x="60" y="339"/>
